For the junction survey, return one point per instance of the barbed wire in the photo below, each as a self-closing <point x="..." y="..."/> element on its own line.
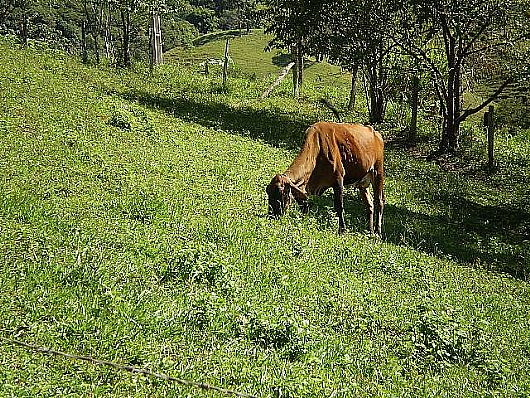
<point x="128" y="368"/>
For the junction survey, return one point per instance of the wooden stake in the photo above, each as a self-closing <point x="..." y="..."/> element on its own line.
<point x="156" y="40"/>
<point x="225" y="65"/>
<point x="491" y="135"/>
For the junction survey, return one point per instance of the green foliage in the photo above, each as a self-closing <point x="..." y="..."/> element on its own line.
<point x="178" y="34"/>
<point x="441" y="340"/>
<point x="204" y="19"/>
<point x="132" y="119"/>
<point x="514" y="111"/>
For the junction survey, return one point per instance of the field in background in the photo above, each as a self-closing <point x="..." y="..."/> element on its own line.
<point x="250" y="58"/>
<point x="133" y="229"/>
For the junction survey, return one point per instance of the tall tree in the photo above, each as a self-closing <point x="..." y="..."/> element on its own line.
<point x="293" y="24"/>
<point x="94" y="17"/>
<point x="355" y="35"/>
<point x="445" y="35"/>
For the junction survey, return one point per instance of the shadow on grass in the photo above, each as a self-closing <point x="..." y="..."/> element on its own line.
<point x="488" y="236"/>
<point x="467" y="232"/>
<point x="283" y="59"/>
<point x="273" y="128"/>
<point x="229" y="34"/>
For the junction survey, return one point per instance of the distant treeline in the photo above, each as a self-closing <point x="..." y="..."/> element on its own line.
<point x="118" y="30"/>
<point x="397" y="48"/>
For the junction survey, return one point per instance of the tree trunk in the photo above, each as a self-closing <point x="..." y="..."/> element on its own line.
<point x="84" y="49"/>
<point x="300" y="64"/>
<point x="109" y="52"/>
<point x="413" y="129"/>
<point x="376" y="96"/>
<point x="156" y="40"/>
<point x="377" y="105"/>
<point x="126" y="37"/>
<point x="95" y="37"/>
<point x="353" y="91"/>
<point x="450" y="132"/>
<point x="451" y="128"/>
<point x="296" y="73"/>
<point x="24" y="28"/>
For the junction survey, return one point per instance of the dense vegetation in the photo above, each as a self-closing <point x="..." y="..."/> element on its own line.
<point x="398" y="48"/>
<point x="133" y="229"/>
<point x="118" y="30"/>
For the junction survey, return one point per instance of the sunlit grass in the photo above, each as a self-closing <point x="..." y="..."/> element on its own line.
<point x="133" y="229"/>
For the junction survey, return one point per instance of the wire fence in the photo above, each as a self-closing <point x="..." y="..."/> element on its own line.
<point x="127" y="368"/>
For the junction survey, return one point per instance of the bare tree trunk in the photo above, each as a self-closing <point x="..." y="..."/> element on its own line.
<point x="449" y="141"/>
<point x="413" y="128"/>
<point x="377" y="108"/>
<point x="109" y="51"/>
<point x="24" y="28"/>
<point x="84" y="49"/>
<point x="126" y="37"/>
<point x="156" y="40"/>
<point x="95" y="37"/>
<point x="300" y="64"/>
<point x="376" y="96"/>
<point x="490" y="128"/>
<point x="353" y="91"/>
<point x="298" y="70"/>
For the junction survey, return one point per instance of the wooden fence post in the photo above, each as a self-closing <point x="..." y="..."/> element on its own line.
<point x="490" y="129"/>
<point x="225" y="64"/>
<point x="156" y="40"/>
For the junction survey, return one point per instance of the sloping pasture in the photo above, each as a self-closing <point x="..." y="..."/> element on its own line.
<point x="133" y="229"/>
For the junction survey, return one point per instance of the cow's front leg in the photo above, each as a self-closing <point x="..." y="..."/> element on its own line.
<point x="338" y="196"/>
<point x="369" y="203"/>
<point x="304" y="206"/>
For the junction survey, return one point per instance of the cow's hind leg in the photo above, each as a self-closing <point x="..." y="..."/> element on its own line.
<point x="338" y="197"/>
<point x="369" y="203"/>
<point x="379" y="196"/>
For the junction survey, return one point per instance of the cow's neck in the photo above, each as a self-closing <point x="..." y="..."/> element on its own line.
<point x="300" y="171"/>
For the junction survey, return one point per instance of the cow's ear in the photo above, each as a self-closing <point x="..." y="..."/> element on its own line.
<point x="298" y="194"/>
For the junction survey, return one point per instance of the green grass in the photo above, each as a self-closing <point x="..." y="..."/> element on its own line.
<point x="133" y="229"/>
<point x="250" y="58"/>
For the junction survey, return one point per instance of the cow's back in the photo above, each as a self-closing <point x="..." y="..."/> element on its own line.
<point x="347" y="150"/>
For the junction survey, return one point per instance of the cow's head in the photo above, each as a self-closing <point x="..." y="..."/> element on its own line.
<point x="281" y="191"/>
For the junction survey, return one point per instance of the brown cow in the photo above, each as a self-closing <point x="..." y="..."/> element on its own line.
<point x="333" y="155"/>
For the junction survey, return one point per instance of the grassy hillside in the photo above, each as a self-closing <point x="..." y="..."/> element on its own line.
<point x="133" y="229"/>
<point x="249" y="57"/>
